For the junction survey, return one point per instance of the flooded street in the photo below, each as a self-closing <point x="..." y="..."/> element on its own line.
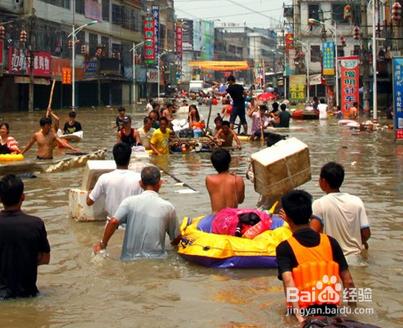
<point x="79" y="292"/>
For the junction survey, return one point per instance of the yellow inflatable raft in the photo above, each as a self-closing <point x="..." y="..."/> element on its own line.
<point x="11" y="157"/>
<point x="223" y="251"/>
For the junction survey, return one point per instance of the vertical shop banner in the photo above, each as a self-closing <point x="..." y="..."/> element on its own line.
<point x="149" y="40"/>
<point x="328" y="58"/>
<point x="398" y="96"/>
<point x="289" y="41"/>
<point x="179" y="40"/>
<point x="350" y="82"/>
<point x="297" y="87"/>
<point x="155" y="12"/>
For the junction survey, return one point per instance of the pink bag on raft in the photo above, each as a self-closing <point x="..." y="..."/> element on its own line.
<point x="226" y="221"/>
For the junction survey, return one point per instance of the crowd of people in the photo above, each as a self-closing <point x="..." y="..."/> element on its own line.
<point x="332" y="229"/>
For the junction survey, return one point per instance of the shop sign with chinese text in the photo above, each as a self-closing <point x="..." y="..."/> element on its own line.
<point x="297" y="87"/>
<point x="350" y="82"/>
<point x="149" y="40"/>
<point x="19" y="62"/>
<point x="398" y="96"/>
<point x="328" y="58"/>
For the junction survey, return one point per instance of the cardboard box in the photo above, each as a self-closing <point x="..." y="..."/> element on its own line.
<point x="281" y="168"/>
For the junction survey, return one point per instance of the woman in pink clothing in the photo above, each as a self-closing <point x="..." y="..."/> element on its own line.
<point x="8" y="144"/>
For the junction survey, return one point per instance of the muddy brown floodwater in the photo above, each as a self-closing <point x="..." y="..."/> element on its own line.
<point x="78" y="292"/>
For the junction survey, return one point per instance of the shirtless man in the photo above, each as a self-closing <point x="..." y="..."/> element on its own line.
<point x="46" y="140"/>
<point x="226" y="136"/>
<point x="225" y="189"/>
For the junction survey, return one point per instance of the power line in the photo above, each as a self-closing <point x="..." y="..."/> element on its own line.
<point x="253" y="10"/>
<point x="240" y="14"/>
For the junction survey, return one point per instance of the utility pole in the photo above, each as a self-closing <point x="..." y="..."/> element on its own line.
<point x="365" y="54"/>
<point x="31" y="41"/>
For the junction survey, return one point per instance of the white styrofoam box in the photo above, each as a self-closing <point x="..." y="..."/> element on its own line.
<point x="79" y="211"/>
<point x="281" y="167"/>
<point x="93" y="170"/>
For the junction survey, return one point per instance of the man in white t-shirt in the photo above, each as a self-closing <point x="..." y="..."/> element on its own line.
<point x="146" y="132"/>
<point x="148" y="219"/>
<point x="149" y="106"/>
<point x="343" y="215"/>
<point x="322" y="108"/>
<point x="118" y="184"/>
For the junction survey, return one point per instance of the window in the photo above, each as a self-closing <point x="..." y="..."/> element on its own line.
<point x="105" y="45"/>
<point x="105" y="10"/>
<point x="338" y="14"/>
<point x="126" y="12"/>
<point x="340" y="51"/>
<point x="116" y="50"/>
<point x="313" y="11"/>
<point x="315" y="54"/>
<point x="80" y="7"/>
<point x="93" y="44"/>
<point x="126" y="55"/>
<point x="80" y="41"/>
<point x="116" y="14"/>
<point x="59" y="3"/>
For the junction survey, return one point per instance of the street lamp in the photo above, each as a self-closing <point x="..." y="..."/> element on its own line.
<point x="73" y="36"/>
<point x="333" y="29"/>
<point x="133" y="49"/>
<point x="307" y="61"/>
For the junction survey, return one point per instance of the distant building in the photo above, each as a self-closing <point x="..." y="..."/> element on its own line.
<point x="103" y="57"/>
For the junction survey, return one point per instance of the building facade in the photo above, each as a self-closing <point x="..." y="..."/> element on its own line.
<point x="103" y="61"/>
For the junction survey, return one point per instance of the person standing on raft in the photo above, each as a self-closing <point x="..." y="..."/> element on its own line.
<point x="308" y="253"/>
<point x="225" y="189"/>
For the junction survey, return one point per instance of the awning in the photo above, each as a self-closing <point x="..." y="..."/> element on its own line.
<point x="27" y="80"/>
<point x="220" y="65"/>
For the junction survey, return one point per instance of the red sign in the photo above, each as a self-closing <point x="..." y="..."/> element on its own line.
<point x="289" y="41"/>
<point x="350" y="82"/>
<point x="149" y="39"/>
<point x="179" y="39"/>
<point x="19" y="62"/>
<point x="57" y="66"/>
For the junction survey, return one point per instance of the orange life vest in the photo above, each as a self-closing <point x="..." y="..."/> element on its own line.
<point x="315" y="264"/>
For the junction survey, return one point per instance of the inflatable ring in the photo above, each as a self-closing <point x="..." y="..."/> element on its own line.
<point x="223" y="251"/>
<point x="11" y="157"/>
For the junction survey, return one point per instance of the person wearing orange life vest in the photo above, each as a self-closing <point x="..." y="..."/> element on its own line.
<point x="309" y="262"/>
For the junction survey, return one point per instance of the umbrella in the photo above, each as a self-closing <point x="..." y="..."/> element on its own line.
<point x="267" y="96"/>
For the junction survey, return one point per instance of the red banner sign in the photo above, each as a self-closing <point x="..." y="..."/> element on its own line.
<point x="289" y="41"/>
<point x="149" y="39"/>
<point x="350" y="82"/>
<point x="179" y="39"/>
<point x="19" y="62"/>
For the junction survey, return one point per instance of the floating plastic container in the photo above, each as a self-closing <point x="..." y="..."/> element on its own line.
<point x="281" y="167"/>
